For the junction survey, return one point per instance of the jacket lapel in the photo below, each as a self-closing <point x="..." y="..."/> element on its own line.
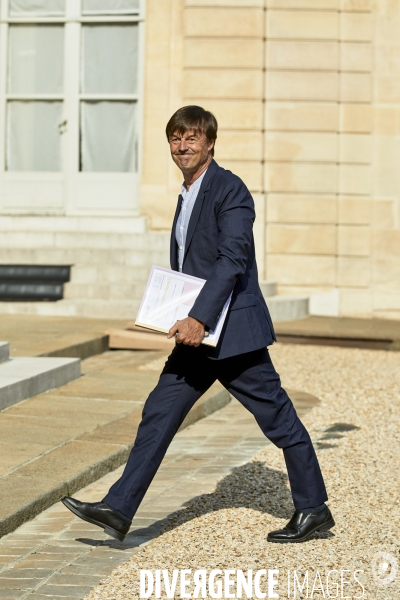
<point x="173" y="245"/>
<point x="198" y="205"/>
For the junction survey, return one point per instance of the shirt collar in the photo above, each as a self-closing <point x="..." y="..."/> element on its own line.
<point x="195" y="185"/>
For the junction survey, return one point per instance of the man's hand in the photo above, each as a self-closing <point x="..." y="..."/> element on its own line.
<point x="189" y="331"/>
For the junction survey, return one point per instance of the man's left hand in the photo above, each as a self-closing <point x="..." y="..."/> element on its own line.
<point x="188" y="331"/>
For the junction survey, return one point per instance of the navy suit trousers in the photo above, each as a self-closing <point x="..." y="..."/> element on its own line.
<point x="252" y="379"/>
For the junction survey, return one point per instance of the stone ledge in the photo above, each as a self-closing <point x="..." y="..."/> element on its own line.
<point x="351" y="332"/>
<point x="82" y="350"/>
<point x="4" y="351"/>
<point x="287" y="308"/>
<point x="22" y="378"/>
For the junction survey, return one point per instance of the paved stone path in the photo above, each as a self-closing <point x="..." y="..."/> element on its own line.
<point x="64" y="439"/>
<point x="59" y="556"/>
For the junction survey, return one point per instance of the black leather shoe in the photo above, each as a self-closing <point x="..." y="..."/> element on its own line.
<point x="301" y="526"/>
<point x="99" y="514"/>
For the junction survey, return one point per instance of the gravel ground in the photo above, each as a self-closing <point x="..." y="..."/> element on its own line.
<point x="227" y="529"/>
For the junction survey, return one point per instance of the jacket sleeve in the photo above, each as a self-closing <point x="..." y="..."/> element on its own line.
<point x="235" y="217"/>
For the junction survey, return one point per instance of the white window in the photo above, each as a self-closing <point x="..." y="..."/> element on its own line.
<point x="69" y="106"/>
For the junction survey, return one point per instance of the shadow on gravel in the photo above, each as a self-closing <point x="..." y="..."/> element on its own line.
<point x="252" y="485"/>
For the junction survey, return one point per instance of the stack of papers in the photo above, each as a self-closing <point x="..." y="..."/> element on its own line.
<point x="168" y="297"/>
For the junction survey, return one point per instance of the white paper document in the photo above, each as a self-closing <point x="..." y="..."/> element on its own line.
<point x="168" y="297"/>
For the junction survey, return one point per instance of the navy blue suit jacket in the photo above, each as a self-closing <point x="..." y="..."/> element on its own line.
<point x="220" y="248"/>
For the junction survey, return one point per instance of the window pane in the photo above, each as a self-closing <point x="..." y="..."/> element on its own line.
<point x="36" y="59"/>
<point x="33" y="138"/>
<point x="110" y="7"/>
<point x="107" y="136"/>
<point x="23" y="8"/>
<point x="109" y="59"/>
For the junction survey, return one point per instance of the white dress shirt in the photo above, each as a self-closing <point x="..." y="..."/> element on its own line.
<point x="189" y="198"/>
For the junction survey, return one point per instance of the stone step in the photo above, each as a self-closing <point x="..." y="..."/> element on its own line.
<point x="83" y="239"/>
<point x="22" y="378"/>
<point x="282" y="308"/>
<point x="288" y="308"/>
<point x="103" y="291"/>
<point x="268" y="288"/>
<point x="73" y="224"/>
<point x="4" y="351"/>
<point x="86" y="256"/>
<point x="89" y="308"/>
<point x="109" y="273"/>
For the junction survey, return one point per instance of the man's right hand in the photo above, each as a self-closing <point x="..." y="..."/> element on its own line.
<point x="188" y="331"/>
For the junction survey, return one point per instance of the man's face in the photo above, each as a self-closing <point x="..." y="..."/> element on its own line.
<point x="190" y="150"/>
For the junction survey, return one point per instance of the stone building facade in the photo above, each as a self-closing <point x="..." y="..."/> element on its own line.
<point x="307" y="93"/>
<point x="307" y="96"/>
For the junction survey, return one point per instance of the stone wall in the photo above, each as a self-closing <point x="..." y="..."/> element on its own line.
<point x="318" y="160"/>
<point x="307" y="95"/>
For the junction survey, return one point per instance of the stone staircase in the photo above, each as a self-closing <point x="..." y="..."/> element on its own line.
<point x="110" y="262"/>
<point x="22" y="378"/>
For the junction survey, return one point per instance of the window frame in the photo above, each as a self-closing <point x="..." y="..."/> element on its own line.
<point x="74" y="181"/>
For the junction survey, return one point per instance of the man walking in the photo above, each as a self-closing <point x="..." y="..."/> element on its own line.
<point x="212" y="238"/>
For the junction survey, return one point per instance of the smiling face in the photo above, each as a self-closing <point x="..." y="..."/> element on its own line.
<point x="190" y="151"/>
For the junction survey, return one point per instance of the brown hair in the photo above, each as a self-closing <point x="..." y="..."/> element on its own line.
<point x="193" y="118"/>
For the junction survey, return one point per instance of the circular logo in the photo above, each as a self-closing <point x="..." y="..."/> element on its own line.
<point x="384" y="568"/>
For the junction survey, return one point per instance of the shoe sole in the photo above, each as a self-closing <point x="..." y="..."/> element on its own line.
<point x="320" y="528"/>
<point x="108" y="530"/>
